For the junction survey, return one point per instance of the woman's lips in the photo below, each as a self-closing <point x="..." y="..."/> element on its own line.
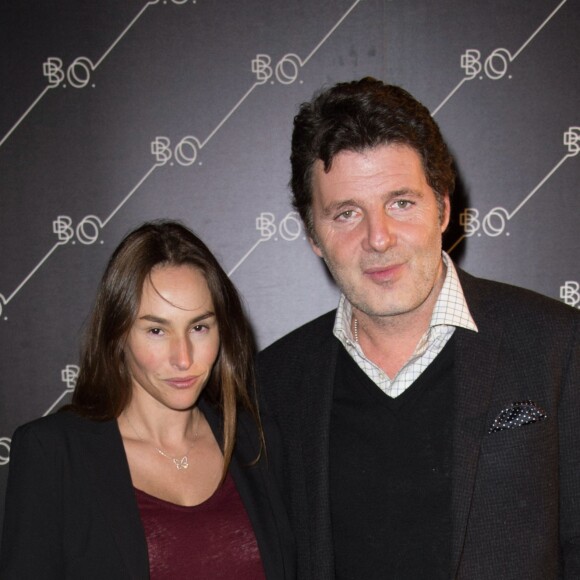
<point x="181" y="382"/>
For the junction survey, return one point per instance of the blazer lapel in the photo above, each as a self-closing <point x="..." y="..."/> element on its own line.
<point x="106" y="463"/>
<point x="261" y="500"/>
<point x="476" y="360"/>
<point x="316" y="406"/>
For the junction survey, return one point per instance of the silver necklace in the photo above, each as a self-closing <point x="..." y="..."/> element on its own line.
<point x="180" y="463"/>
<point x="355" y="329"/>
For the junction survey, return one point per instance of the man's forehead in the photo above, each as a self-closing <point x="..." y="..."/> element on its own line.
<point x="377" y="163"/>
<point x="366" y="152"/>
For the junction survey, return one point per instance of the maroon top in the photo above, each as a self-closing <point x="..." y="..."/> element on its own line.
<point x="212" y="540"/>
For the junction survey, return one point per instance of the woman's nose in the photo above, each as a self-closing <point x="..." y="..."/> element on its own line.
<point x="182" y="353"/>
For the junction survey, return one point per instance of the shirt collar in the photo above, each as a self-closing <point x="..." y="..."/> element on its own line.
<point x="450" y="309"/>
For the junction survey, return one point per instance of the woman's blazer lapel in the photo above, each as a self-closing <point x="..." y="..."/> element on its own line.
<point x="106" y="463"/>
<point x="259" y="494"/>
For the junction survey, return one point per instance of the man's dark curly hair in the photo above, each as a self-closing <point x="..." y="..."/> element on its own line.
<point x="361" y="115"/>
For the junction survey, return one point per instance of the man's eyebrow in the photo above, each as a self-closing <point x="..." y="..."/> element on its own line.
<point x="405" y="191"/>
<point x="159" y="320"/>
<point x="338" y="205"/>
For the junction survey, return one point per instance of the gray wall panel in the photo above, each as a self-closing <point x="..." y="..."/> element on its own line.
<point x="77" y="172"/>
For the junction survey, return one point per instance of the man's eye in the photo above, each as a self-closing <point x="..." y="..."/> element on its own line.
<point x="403" y="203"/>
<point x="348" y="214"/>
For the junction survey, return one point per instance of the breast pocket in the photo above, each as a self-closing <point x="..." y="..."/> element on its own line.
<point x="521" y="458"/>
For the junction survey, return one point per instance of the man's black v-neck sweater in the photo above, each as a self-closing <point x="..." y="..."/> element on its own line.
<point x="390" y="474"/>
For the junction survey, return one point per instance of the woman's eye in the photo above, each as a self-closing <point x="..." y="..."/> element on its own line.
<point x="155" y="331"/>
<point x="199" y="327"/>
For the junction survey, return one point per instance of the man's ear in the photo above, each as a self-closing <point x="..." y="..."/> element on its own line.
<point x="314" y="246"/>
<point x="446" y="214"/>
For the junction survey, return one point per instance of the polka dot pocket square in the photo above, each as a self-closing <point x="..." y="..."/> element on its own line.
<point x="519" y="414"/>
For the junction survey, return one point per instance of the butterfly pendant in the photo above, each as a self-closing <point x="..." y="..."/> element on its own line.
<point x="181" y="463"/>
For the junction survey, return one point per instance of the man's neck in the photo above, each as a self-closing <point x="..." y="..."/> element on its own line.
<point x="389" y="344"/>
<point x="390" y="341"/>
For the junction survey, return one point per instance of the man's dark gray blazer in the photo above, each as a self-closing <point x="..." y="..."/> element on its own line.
<point x="71" y="510"/>
<point x="515" y="492"/>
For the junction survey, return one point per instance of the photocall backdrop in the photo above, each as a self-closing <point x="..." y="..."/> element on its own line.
<point x="121" y="111"/>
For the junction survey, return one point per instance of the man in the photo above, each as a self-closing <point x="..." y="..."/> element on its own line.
<point x="431" y="424"/>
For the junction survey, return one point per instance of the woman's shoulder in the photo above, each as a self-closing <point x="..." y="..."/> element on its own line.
<point x="59" y="425"/>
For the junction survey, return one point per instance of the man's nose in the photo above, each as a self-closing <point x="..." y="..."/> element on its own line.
<point x="381" y="232"/>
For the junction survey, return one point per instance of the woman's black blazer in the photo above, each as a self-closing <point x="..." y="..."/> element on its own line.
<point x="71" y="510"/>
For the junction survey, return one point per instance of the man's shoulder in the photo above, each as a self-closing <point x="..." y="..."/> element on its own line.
<point x="282" y="368"/>
<point x="501" y="297"/>
<point x="300" y="341"/>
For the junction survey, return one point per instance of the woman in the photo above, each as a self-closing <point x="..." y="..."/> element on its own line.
<point x="157" y="468"/>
